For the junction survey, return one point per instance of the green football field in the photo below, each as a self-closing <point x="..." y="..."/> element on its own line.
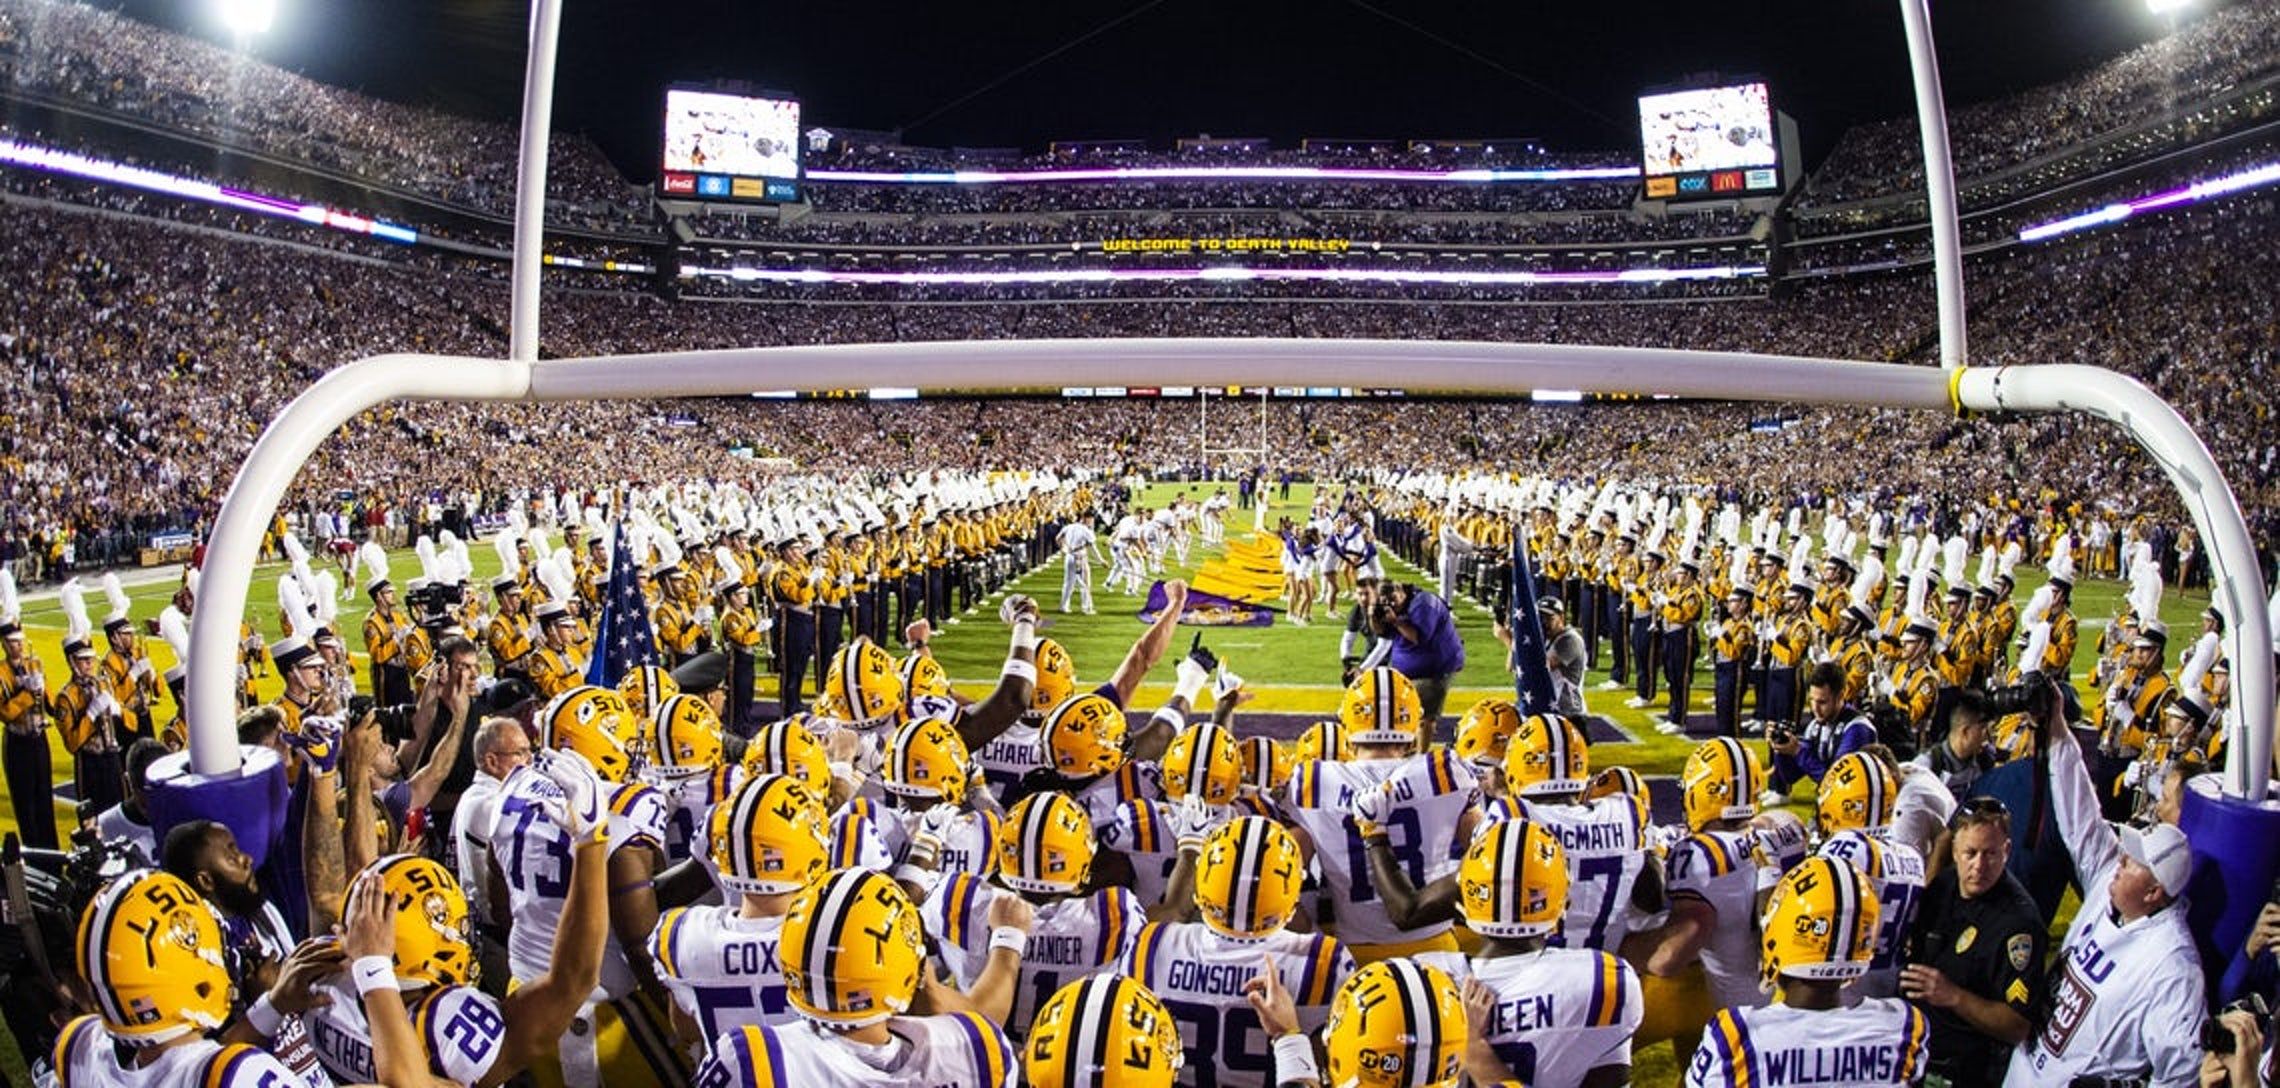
<point x="1292" y="669"/>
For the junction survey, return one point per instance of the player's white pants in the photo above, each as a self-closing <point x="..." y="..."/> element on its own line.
<point x="1076" y="574"/>
<point x="1214" y="530"/>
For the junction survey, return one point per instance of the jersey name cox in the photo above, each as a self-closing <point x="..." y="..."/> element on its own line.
<point x="1861" y="1063"/>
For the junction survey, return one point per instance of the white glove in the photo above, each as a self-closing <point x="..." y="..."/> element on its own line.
<point x="1224" y="684"/>
<point x="1192" y="822"/>
<point x="142" y="667"/>
<point x="766" y="624"/>
<point x="579" y="810"/>
<point x="1371" y="809"/>
<point x="703" y="615"/>
<point x="816" y="577"/>
<point x="1191" y="677"/>
<point x="2134" y="775"/>
<point x="1014" y="605"/>
<point x="103" y="705"/>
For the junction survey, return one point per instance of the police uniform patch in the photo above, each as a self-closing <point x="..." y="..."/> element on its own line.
<point x="2020" y="949"/>
<point x="1964" y="939"/>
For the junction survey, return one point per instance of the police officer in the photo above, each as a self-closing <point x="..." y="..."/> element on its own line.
<point x="1975" y="954"/>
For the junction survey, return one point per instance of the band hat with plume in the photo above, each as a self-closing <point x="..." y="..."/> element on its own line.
<point x="11" y="605"/>
<point x="76" y="627"/>
<point x="372" y="567"/>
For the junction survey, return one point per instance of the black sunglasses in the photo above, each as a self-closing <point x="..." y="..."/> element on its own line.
<point x="1979" y="810"/>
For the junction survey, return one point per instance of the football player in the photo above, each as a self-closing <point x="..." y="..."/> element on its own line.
<point x="686" y="769"/>
<point x="1204" y="762"/>
<point x="1430" y="805"/>
<point x="1045" y="852"/>
<point x="1562" y="1016"/>
<point x="853" y="957"/>
<point x="1246" y="879"/>
<point x="1106" y="1031"/>
<point x="1713" y="878"/>
<point x="929" y="825"/>
<point x="1819" y="936"/>
<point x="1855" y="817"/>
<point x="721" y="962"/>
<point x="627" y="1034"/>
<point x="150" y="951"/>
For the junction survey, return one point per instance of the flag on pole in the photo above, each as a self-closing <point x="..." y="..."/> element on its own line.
<point x="623" y="639"/>
<point x="1534" y="690"/>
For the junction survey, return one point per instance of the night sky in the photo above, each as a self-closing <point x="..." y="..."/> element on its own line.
<point x="1158" y="69"/>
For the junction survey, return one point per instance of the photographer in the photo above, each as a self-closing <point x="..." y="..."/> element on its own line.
<point x="1359" y="648"/>
<point x="1426" y="648"/>
<point x="1975" y="953"/>
<point x="2234" y="1044"/>
<point x="1835" y="730"/>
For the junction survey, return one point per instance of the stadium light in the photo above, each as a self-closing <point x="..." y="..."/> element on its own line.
<point x="246" y="18"/>
<point x="2167" y="7"/>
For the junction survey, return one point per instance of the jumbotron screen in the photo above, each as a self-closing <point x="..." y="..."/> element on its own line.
<point x="1709" y="142"/>
<point x="730" y="147"/>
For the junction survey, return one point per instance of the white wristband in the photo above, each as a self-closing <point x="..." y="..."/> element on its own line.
<point x="1026" y="670"/>
<point x="373" y="973"/>
<point x="1294" y="1060"/>
<point x="1169" y="717"/>
<point x="262" y="1016"/>
<point x="1010" y="939"/>
<point x="1024" y="634"/>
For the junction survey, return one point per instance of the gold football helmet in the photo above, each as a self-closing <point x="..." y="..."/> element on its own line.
<point x="862" y="687"/>
<point x="926" y="759"/>
<point x="1548" y="755"/>
<point x="1266" y="763"/>
<point x="684" y="738"/>
<point x="433" y="947"/>
<point x="768" y="837"/>
<point x="852" y="949"/>
<point x="1202" y="759"/>
<point x="1105" y="1031"/>
<point x="1820" y="924"/>
<point x="1056" y="677"/>
<point x="1395" y="1024"/>
<point x="1485" y="730"/>
<point x="923" y="675"/>
<point x="1513" y="883"/>
<point x="1045" y="845"/>
<point x="647" y="687"/>
<point x="151" y="951"/>
<point x="1324" y="740"/>
<point x="1381" y="707"/>
<point x="592" y="722"/>
<point x="1247" y="878"/>
<point x="1721" y="781"/>
<point x="1083" y="737"/>
<point x="1857" y="793"/>
<point x="788" y="748"/>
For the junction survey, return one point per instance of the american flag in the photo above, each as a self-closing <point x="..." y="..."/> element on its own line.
<point x="623" y="639"/>
<point x="1532" y="673"/>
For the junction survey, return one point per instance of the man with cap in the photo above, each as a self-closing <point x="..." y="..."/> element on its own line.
<point x="680" y="634"/>
<point x="89" y="717"/>
<point x="1853" y="650"/>
<point x="2058" y="658"/>
<point x="1643" y="595"/>
<point x="1615" y="617"/>
<point x="2126" y="992"/>
<point x="558" y="664"/>
<point x="1731" y="651"/>
<point x="743" y="631"/>
<point x="24" y="714"/>
<point x="1680" y="606"/>
<point x="386" y="633"/>
<point x="1955" y="649"/>
<point x="2131" y="709"/>
<point x="1998" y="627"/>
<point x="793" y="588"/>
<point x="126" y="668"/>
<point x="308" y="691"/>
<point x="1909" y="687"/>
<point x="1785" y="643"/>
<point x="508" y="636"/>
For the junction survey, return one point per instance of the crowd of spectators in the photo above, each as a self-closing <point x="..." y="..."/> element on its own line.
<point x="2231" y="47"/>
<point x="148" y="356"/>
<point x="91" y="58"/>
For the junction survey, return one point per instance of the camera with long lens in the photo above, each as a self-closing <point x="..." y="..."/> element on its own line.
<point x="2216" y="1038"/>
<point x="435" y="605"/>
<point x="2035" y="695"/>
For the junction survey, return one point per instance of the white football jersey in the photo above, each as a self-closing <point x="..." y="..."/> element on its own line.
<point x="1143" y="834"/>
<point x="533" y="856"/>
<point x="864" y="832"/>
<point x="1561" y="1013"/>
<point x="1721" y="868"/>
<point x="461" y="1028"/>
<point x="1005" y="758"/>
<point x="85" y="1057"/>
<point x="1200" y="976"/>
<point x="1879" y="1042"/>
<point x="1898" y="873"/>
<point x="1133" y="781"/>
<point x="955" y="1050"/>
<point x="689" y="803"/>
<point x="1432" y="793"/>
<point x="1070" y="939"/>
<point x="722" y="969"/>
<point x="1606" y="849"/>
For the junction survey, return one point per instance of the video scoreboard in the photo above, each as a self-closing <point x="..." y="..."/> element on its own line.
<point x="1709" y="143"/>
<point x="730" y="147"/>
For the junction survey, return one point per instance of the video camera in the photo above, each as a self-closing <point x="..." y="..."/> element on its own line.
<point x="434" y="605"/>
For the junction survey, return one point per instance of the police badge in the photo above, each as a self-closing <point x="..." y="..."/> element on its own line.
<point x="2020" y="949"/>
